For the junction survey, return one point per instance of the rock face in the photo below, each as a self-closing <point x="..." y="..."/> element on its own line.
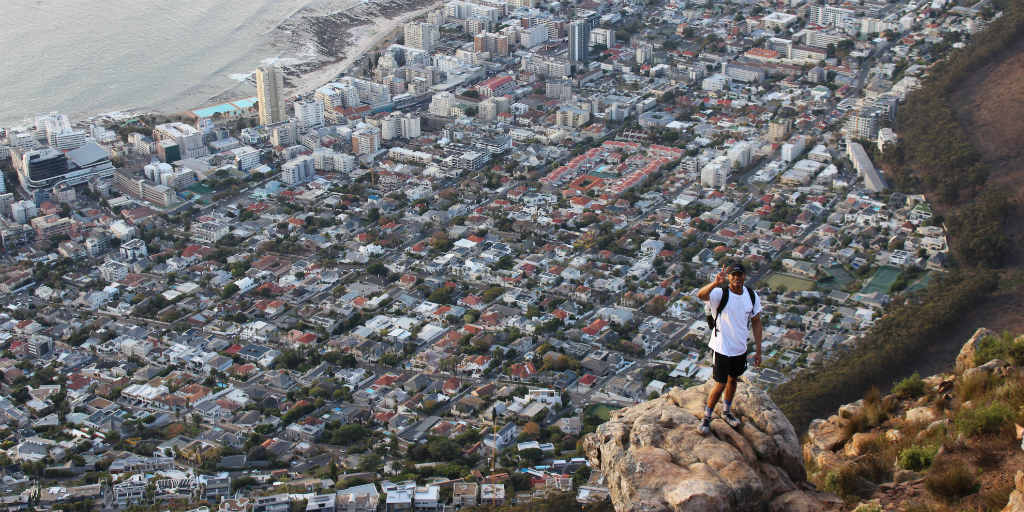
<point x="1016" y="503"/>
<point x="965" y="359"/>
<point x="655" y="460"/>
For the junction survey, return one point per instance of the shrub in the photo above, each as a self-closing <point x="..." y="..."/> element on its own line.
<point x="1003" y="347"/>
<point x="983" y="420"/>
<point x="875" y="467"/>
<point x="910" y="387"/>
<point x="842" y="481"/>
<point x="951" y="481"/>
<point x="917" y="458"/>
<point x="967" y="388"/>
<point x="997" y="497"/>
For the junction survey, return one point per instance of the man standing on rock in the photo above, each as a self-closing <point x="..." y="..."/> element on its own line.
<point x="729" y="336"/>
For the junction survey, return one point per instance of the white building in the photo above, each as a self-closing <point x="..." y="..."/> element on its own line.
<point x="298" y="171"/>
<point x="715" y="82"/>
<point x="793" y="149"/>
<point x="247" y="157"/>
<point x="533" y="36"/>
<point x="602" y="36"/>
<point x="59" y="132"/>
<point x="187" y="137"/>
<point x="740" y="154"/>
<point x="716" y="173"/>
<point x="310" y="112"/>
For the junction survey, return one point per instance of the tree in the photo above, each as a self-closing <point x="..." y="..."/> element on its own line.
<point x="442" y="295"/>
<point x="197" y="419"/>
<point x="229" y="291"/>
<point x="532" y="429"/>
<point x="377" y="268"/>
<point x="369" y="462"/>
<point x="443" y="449"/>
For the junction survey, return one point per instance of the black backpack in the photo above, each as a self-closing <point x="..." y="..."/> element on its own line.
<point x="713" y="320"/>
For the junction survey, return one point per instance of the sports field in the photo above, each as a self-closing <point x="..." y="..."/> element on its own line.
<point x="882" y="280"/>
<point x="603" y="410"/>
<point x="792" y="283"/>
<point x="839" y="273"/>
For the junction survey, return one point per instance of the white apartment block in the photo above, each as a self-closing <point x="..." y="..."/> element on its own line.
<point x="310" y="112"/>
<point x="716" y="173"/>
<point x="829" y="15"/>
<point x="530" y="37"/>
<point x="422" y="36"/>
<point x="298" y="171"/>
<point x="369" y="92"/>
<point x="335" y="95"/>
<point x="547" y="66"/>
<point x="210" y="231"/>
<point x="441" y="104"/>
<point x="793" y="149"/>
<point x="59" y="132"/>
<point x="602" y="36"/>
<point x="188" y="138"/>
<point x="740" y="154"/>
<point x="397" y="125"/>
<point x="247" y="157"/>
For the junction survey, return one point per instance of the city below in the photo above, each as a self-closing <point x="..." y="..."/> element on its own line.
<point x="421" y="285"/>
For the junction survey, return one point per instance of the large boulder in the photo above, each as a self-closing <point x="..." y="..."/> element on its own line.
<point x="965" y="359"/>
<point x="655" y="460"/>
<point x="1016" y="503"/>
<point x="829" y="435"/>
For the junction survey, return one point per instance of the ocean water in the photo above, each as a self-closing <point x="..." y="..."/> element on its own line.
<point x="89" y="57"/>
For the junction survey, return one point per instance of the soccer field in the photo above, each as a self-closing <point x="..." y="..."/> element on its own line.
<point x="882" y="280"/>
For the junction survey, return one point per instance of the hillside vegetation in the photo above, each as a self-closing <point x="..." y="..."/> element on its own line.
<point x="945" y="442"/>
<point x="885" y="352"/>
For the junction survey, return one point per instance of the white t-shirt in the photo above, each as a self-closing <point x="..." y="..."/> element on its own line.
<point x="730" y="338"/>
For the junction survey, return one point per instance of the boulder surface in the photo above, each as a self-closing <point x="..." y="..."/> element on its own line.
<point x="655" y="460"/>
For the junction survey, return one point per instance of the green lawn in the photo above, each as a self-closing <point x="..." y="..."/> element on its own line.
<point x="792" y="283"/>
<point x="603" y="411"/>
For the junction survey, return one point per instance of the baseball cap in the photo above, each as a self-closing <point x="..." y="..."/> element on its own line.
<point x="737" y="267"/>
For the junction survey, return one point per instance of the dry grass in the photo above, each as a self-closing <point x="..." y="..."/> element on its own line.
<point x="971" y="388"/>
<point x="997" y="497"/>
<point x="950" y="481"/>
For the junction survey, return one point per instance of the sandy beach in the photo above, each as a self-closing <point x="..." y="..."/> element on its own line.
<point x="348" y="34"/>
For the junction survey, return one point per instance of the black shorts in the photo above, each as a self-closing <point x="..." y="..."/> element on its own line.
<point x="728" y="366"/>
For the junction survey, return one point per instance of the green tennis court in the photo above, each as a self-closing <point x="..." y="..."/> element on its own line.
<point x="839" y="273"/>
<point x="882" y="280"/>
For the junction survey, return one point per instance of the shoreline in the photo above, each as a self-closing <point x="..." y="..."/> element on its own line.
<point x="346" y="32"/>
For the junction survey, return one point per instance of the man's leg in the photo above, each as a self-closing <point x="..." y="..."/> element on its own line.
<point x="730" y="392"/>
<point x="730" y="389"/>
<point x="716" y="393"/>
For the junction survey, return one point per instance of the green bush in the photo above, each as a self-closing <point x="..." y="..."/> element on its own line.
<point x="1002" y="347"/>
<point x="841" y="480"/>
<point x="917" y="458"/>
<point x="910" y="387"/>
<point x="983" y="420"/>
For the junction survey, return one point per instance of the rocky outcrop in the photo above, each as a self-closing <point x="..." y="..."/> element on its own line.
<point x="1016" y="503"/>
<point x="965" y="359"/>
<point x="655" y="460"/>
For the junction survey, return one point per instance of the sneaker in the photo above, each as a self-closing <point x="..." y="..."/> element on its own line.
<point x="733" y="421"/>
<point x="705" y="426"/>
